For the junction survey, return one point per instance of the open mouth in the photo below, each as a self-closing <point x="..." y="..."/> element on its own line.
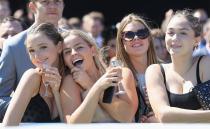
<point x="137" y="45"/>
<point x="78" y="62"/>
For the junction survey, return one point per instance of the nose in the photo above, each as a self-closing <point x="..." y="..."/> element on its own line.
<point x="37" y="55"/>
<point x="73" y="52"/>
<point x="174" y="37"/>
<point x="136" y="37"/>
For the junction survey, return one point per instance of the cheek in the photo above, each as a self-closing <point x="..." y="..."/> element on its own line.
<point x="67" y="60"/>
<point x="147" y="44"/>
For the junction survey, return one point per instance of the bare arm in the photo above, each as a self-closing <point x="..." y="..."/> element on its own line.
<point x="70" y="97"/>
<point x="28" y="86"/>
<point x="76" y="111"/>
<point x="123" y="108"/>
<point x="160" y="104"/>
<point x="204" y="66"/>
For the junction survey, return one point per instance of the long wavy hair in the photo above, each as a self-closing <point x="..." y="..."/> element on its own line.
<point x="120" y="50"/>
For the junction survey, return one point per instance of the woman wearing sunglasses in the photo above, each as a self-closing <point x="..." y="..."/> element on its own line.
<point x="135" y="49"/>
<point x="170" y="89"/>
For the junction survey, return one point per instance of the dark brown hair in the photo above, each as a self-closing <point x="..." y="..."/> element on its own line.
<point x="52" y="33"/>
<point x="193" y="21"/>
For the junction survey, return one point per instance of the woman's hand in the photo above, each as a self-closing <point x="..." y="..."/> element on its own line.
<point x="52" y="77"/>
<point x="110" y="78"/>
<point x="82" y="78"/>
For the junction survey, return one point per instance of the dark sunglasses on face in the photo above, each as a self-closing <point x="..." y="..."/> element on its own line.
<point x="130" y="35"/>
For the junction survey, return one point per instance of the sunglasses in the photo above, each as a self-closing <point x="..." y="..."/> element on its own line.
<point x="130" y="35"/>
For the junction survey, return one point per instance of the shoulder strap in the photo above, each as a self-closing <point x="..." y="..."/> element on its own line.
<point x="198" y="71"/>
<point x="163" y="73"/>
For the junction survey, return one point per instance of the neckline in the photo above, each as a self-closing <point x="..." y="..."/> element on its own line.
<point x="184" y="94"/>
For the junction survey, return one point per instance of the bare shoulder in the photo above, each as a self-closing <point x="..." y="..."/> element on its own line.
<point x="154" y="75"/>
<point x="205" y="62"/>
<point x="126" y="72"/>
<point x="32" y="73"/>
<point x="153" y="68"/>
<point x="204" y="68"/>
<point x="127" y="78"/>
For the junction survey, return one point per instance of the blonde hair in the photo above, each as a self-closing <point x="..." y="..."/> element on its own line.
<point x="120" y="50"/>
<point x="91" y="42"/>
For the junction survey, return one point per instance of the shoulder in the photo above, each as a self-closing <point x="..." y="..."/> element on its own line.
<point x="153" y="68"/>
<point x="32" y="73"/>
<point x="126" y="72"/>
<point x="204" y="66"/>
<point x="205" y="61"/>
<point x="153" y="72"/>
<point x="30" y="80"/>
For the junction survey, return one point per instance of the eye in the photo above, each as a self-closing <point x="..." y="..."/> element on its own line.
<point x="43" y="47"/>
<point x="183" y="33"/>
<point x="170" y="33"/>
<point x="44" y="1"/>
<point x="79" y="47"/>
<point x="5" y="36"/>
<point x="65" y="52"/>
<point x="31" y="50"/>
<point x="58" y="1"/>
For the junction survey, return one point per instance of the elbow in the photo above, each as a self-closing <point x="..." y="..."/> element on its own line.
<point x="127" y="114"/>
<point x="72" y="120"/>
<point x="9" y="123"/>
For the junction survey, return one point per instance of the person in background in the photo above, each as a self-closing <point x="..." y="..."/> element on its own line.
<point x="8" y="28"/>
<point x="203" y="46"/>
<point x="108" y="51"/>
<point x="5" y="10"/>
<point x="12" y="66"/>
<point x="170" y="90"/>
<point x="31" y="101"/>
<point x="93" y="23"/>
<point x="81" y="97"/>
<point x="159" y="45"/>
<point x="201" y="14"/>
<point x="134" y="47"/>
<point x="63" y="24"/>
<point x="74" y="23"/>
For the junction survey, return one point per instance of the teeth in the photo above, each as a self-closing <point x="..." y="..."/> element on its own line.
<point x="76" y="60"/>
<point x="136" y="45"/>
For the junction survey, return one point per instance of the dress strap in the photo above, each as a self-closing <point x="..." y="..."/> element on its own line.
<point x="163" y="73"/>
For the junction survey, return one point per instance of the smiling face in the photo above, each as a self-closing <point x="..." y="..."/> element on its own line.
<point x="42" y="50"/>
<point x="78" y="53"/>
<point x="47" y="10"/>
<point x="180" y="37"/>
<point x="137" y="46"/>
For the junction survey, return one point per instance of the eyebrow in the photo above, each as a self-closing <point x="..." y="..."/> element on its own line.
<point x="180" y="29"/>
<point x="66" y="49"/>
<point x="77" y="44"/>
<point x="40" y="44"/>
